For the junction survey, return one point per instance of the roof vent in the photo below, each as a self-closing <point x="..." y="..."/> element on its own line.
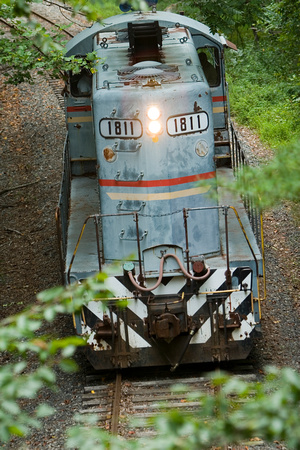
<point x="145" y="40"/>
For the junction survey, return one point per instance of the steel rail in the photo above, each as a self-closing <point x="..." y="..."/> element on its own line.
<point x="116" y="404"/>
<point x="40" y="16"/>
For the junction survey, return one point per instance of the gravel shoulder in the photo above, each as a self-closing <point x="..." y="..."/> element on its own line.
<point x="32" y="135"/>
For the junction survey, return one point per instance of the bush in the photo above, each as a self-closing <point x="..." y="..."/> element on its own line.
<point x="269" y="410"/>
<point x="262" y="98"/>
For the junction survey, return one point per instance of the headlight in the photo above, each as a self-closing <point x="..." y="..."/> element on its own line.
<point x="153" y="113"/>
<point x="155" y="127"/>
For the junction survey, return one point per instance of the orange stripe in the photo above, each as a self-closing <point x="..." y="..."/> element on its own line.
<point x="219" y="99"/>
<point x="157" y="183"/>
<point x="79" y="108"/>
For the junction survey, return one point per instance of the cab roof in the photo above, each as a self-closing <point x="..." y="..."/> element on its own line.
<point x="82" y="43"/>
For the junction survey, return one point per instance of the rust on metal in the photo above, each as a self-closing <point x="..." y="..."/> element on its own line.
<point x="109" y="154"/>
<point x="187" y="251"/>
<point x="104" y="328"/>
<point x="234" y="321"/>
<point x="116" y="404"/>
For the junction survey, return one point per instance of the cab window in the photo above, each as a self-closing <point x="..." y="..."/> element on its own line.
<point x="210" y="62"/>
<point x="81" y="83"/>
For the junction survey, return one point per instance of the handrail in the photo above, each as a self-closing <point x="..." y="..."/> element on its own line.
<point x="263" y="257"/>
<point x="252" y="251"/>
<point x="77" y="245"/>
<point x="96" y="218"/>
<point x="239" y="160"/>
<point x="249" y="245"/>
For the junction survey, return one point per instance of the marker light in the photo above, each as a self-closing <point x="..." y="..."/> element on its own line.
<point x="155" y="127"/>
<point x="153" y="113"/>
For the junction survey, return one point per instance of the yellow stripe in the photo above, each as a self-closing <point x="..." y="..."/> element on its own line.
<point x="80" y="119"/>
<point x="219" y="109"/>
<point x="160" y="196"/>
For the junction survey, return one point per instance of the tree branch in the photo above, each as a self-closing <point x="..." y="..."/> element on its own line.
<point x="20" y="186"/>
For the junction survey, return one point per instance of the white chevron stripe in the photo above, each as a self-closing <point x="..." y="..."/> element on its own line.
<point x="202" y="335"/>
<point x="138" y="308"/>
<point x="212" y="284"/>
<point x="193" y="305"/>
<point x="231" y="303"/>
<point x="236" y="298"/>
<point x="97" y="308"/>
<point x="172" y="287"/>
<point x="244" y="331"/>
<point x="214" y="281"/>
<point x="239" y="334"/>
<point x="135" y="340"/>
<point x="97" y="345"/>
<point x="119" y="290"/>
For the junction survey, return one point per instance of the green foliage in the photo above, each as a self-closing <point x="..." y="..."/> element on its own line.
<point x="94" y="10"/>
<point x="32" y="48"/>
<point x="263" y="75"/>
<point x="283" y="27"/>
<point x="275" y="181"/>
<point x="262" y="96"/>
<point x="32" y="356"/>
<point x="264" y="91"/>
<point x="87" y="435"/>
<point x="224" y="17"/>
<point x="238" y="411"/>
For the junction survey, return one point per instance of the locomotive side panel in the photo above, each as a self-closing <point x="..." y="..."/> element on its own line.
<point x="211" y="56"/>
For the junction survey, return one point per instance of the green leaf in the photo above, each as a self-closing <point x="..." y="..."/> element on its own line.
<point x="68" y="351"/>
<point x="46" y="374"/>
<point x="44" y="411"/>
<point x="68" y="365"/>
<point x="19" y="367"/>
<point x="50" y="314"/>
<point x="11" y="407"/>
<point x="13" y="430"/>
<point x="50" y="294"/>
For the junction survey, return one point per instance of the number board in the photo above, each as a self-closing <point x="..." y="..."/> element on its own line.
<point x="188" y="123"/>
<point x="121" y="128"/>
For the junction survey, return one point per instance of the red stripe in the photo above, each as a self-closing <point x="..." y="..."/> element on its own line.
<point x="79" y="108"/>
<point x="158" y="183"/>
<point x="219" y="99"/>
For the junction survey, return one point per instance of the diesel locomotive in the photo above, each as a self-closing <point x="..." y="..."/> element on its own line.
<point x="148" y="138"/>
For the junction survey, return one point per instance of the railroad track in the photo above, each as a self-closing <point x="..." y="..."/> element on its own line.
<point x="57" y="85"/>
<point x="52" y="23"/>
<point x="126" y="404"/>
<point x="11" y="24"/>
<point x="58" y="16"/>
